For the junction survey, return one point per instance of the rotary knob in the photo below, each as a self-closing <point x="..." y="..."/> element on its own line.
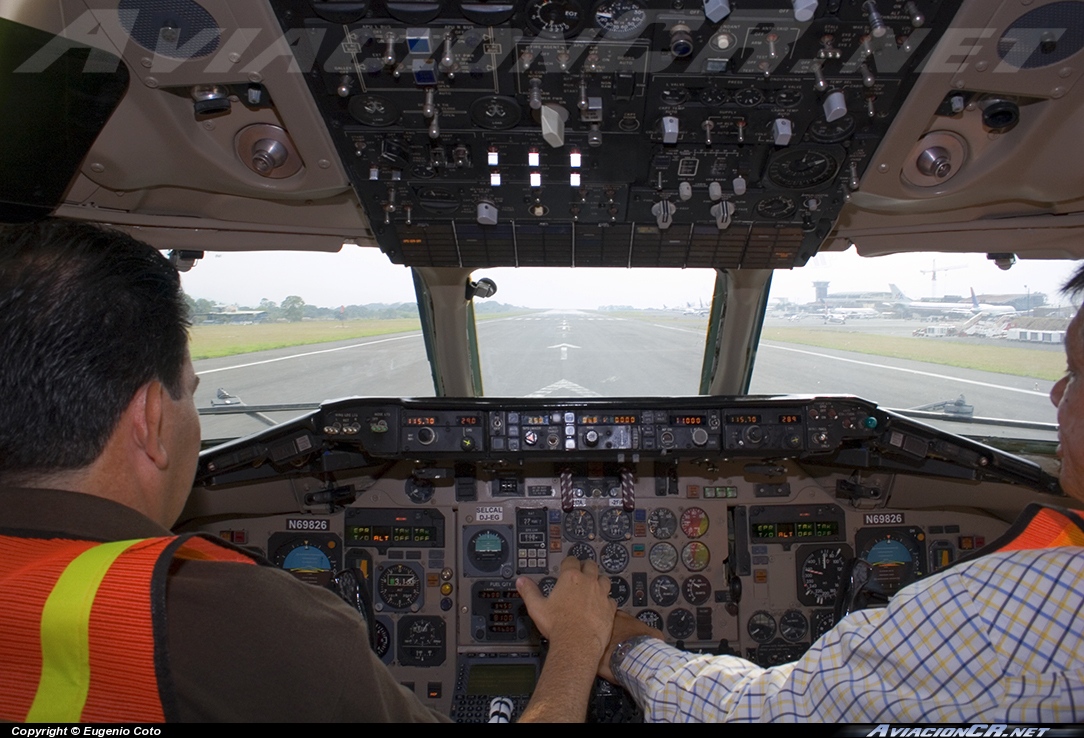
<point x="590" y="438"/>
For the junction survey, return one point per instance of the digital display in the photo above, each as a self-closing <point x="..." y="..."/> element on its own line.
<point x="687" y="420"/>
<point x="804" y="529"/>
<point x="497" y="594"/>
<point x="785" y="530"/>
<point x="607" y="420"/>
<point x="420" y="421"/>
<point x="467" y="420"/>
<point x="534" y="419"/>
<point x="399" y="534"/>
<point x="764" y="530"/>
<point x="827" y="528"/>
<point x="497" y="679"/>
<point x="790" y="419"/>
<point x="743" y="419"/>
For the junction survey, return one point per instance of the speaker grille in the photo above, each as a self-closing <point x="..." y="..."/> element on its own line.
<point x="178" y="29"/>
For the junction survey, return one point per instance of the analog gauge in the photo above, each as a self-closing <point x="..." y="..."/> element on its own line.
<point x="650" y="618"/>
<point x="309" y="558"/>
<point x="823" y="131"/>
<point x="776" y="207"/>
<point x="614" y="558"/>
<point x="663" y="557"/>
<point x="662" y="523"/>
<point x="619" y="590"/>
<point x="546" y="585"/>
<point x="373" y="110"/>
<point x="615" y="525"/>
<point x="495" y="113"/>
<point x="674" y="95"/>
<point x="582" y="551"/>
<point x="421" y="641"/>
<point x="748" y="97"/>
<point x="696" y="590"/>
<point x="713" y="96"/>
<point x="694" y="522"/>
<point x="823" y="621"/>
<point x="554" y="18"/>
<point x="696" y="556"/>
<point x="788" y="98"/>
<point x="680" y="623"/>
<point x="381" y="639"/>
<point x="620" y="19"/>
<point x="895" y="555"/>
<point x="761" y="627"/>
<point x="664" y="590"/>
<point x="820" y="575"/>
<point x="399" y="586"/>
<point x="487" y="550"/>
<point x="580" y="525"/>
<point x="793" y="626"/>
<point x="802" y="169"/>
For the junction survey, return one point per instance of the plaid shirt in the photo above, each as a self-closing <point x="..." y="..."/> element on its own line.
<point x="997" y="639"/>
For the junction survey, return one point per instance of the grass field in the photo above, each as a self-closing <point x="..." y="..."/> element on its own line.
<point x="211" y="341"/>
<point x="1008" y="359"/>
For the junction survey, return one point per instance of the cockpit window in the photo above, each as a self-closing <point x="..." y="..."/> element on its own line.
<point x="595" y="332"/>
<point x="283" y="331"/>
<point x="947" y="334"/>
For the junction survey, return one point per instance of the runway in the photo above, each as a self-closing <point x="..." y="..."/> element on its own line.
<point x="596" y="354"/>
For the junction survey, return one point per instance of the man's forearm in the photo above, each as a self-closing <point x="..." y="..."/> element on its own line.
<point x="564" y="689"/>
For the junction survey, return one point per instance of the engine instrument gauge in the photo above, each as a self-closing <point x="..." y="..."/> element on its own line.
<point x="696" y="590"/>
<point x="793" y="626"/>
<point x="614" y="558"/>
<point x="579" y="525"/>
<point x="554" y="18"/>
<point x="662" y="523"/>
<point x="680" y="623"/>
<point x="761" y="626"/>
<point x="620" y="19"/>
<point x="663" y="557"/>
<point x="694" y="522"/>
<point x="582" y="551"/>
<point x="776" y="207"/>
<point x="399" y="586"/>
<point x="650" y="618"/>
<point x="615" y="525"/>
<point x="381" y="639"/>
<point x="696" y="556"/>
<point x="619" y="590"/>
<point x="664" y="590"/>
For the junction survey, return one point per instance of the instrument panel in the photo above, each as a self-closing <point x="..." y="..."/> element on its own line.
<point x="726" y="524"/>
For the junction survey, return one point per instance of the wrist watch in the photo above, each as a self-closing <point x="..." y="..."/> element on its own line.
<point x="622" y="649"/>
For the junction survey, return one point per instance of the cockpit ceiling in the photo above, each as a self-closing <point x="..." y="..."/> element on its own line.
<point x="563" y="132"/>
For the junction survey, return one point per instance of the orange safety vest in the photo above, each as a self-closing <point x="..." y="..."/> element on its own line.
<point x="82" y="629"/>
<point x="1038" y="526"/>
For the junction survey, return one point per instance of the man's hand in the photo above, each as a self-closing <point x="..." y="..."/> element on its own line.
<point x="579" y="607"/>
<point x="625" y="627"/>
<point x="576" y="618"/>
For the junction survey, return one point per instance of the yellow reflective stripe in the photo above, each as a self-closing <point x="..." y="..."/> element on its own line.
<point x="65" y="636"/>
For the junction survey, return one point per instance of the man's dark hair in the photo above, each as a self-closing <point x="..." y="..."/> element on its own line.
<point x="87" y="317"/>
<point x="1075" y="284"/>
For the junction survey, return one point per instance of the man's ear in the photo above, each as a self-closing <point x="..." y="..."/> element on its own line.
<point x="146" y="411"/>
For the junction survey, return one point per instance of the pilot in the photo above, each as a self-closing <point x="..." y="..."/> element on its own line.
<point x="997" y="638"/>
<point x="109" y="617"/>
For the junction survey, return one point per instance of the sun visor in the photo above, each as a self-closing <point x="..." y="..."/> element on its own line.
<point x="57" y="96"/>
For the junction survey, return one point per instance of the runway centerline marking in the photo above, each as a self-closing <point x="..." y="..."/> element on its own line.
<point x="307" y="353"/>
<point x="908" y="371"/>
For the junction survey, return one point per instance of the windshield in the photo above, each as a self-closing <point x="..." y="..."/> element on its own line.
<point x="278" y="332"/>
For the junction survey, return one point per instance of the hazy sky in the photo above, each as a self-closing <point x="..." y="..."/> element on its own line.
<point x="364" y="275"/>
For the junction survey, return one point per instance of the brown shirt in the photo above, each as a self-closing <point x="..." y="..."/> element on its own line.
<point x="245" y="643"/>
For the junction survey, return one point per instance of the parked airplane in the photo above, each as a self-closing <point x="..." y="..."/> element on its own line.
<point x="929" y="307"/>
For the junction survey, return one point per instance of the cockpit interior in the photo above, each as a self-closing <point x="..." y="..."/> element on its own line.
<point x="740" y="137"/>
